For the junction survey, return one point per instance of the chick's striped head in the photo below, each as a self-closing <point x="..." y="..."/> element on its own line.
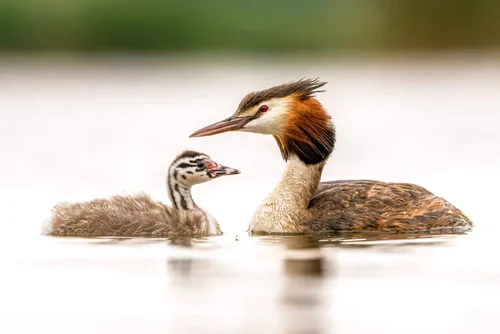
<point x="191" y="168"/>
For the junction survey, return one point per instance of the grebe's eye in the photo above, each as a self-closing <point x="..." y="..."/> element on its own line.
<point x="200" y="165"/>
<point x="263" y="108"/>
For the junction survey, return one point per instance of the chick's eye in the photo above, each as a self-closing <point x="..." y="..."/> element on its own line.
<point x="263" y="108"/>
<point x="200" y="165"/>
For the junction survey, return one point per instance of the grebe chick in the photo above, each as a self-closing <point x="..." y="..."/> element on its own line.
<point x="139" y="215"/>
<point x="305" y="136"/>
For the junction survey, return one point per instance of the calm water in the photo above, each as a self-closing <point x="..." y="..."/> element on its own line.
<point x="74" y="130"/>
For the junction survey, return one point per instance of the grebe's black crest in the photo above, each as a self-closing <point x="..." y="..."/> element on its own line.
<point x="304" y="88"/>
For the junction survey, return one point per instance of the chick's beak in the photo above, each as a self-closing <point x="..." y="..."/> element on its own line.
<point x="221" y="170"/>
<point x="229" y="124"/>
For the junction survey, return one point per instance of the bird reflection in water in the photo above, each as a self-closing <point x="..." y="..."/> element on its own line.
<point x="307" y="287"/>
<point x="183" y="268"/>
<point x="288" y="293"/>
<point x="303" y="257"/>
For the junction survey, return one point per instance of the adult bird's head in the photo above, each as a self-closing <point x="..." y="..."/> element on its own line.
<point x="290" y="113"/>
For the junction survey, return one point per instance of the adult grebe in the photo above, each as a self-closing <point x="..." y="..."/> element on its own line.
<point x="300" y="203"/>
<point x="139" y="215"/>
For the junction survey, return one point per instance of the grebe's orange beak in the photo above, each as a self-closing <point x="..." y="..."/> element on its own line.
<point x="232" y="123"/>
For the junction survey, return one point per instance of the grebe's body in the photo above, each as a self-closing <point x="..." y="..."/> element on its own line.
<point x="139" y="215"/>
<point x="300" y="203"/>
<point x="297" y="206"/>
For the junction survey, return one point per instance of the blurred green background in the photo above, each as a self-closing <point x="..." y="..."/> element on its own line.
<point x="257" y="26"/>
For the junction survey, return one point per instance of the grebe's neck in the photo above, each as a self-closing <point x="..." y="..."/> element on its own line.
<point x="299" y="181"/>
<point x="306" y="142"/>
<point x="179" y="193"/>
<point x="286" y="207"/>
<point x="182" y="200"/>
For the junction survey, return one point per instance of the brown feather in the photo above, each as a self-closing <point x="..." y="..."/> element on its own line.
<point x="309" y="132"/>
<point x="121" y="216"/>
<point x="366" y="205"/>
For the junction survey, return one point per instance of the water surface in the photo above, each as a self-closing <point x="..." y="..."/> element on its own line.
<point x="75" y="130"/>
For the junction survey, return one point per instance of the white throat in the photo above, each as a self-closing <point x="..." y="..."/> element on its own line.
<point x="286" y="207"/>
